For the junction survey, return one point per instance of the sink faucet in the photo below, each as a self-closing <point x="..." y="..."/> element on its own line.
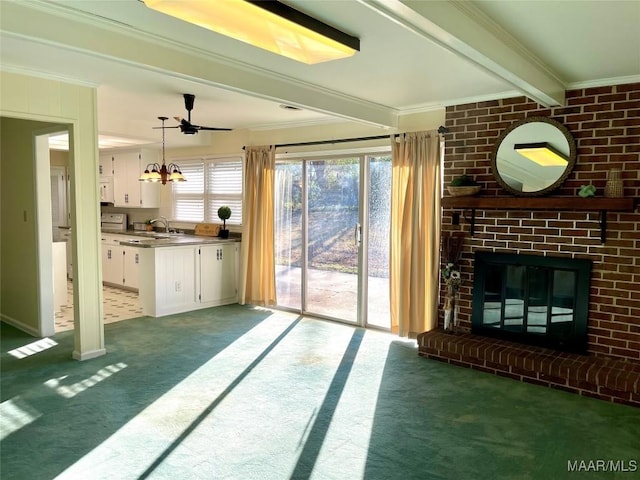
<point x="163" y="220"/>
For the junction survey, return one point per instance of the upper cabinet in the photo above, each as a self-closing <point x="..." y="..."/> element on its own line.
<point x="105" y="167"/>
<point x="127" y="166"/>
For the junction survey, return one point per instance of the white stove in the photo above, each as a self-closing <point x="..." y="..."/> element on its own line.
<point x="113" y="222"/>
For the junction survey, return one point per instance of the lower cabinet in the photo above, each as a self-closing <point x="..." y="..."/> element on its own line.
<point x="184" y="278"/>
<point x="218" y="270"/>
<point x="120" y="264"/>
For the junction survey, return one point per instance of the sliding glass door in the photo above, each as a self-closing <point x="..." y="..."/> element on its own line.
<point x="333" y="238"/>
<point x="332" y="228"/>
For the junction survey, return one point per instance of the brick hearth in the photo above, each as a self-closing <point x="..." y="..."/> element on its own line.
<point x="604" y="378"/>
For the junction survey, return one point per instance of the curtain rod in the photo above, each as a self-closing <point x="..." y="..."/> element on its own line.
<point x="441" y="130"/>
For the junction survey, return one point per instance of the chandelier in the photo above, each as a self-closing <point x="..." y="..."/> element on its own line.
<point x="162" y="173"/>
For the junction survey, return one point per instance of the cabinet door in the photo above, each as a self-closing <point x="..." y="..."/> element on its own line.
<point x="210" y="273"/>
<point x="175" y="278"/>
<point x="131" y="266"/>
<point x="112" y="267"/>
<point x="229" y="283"/>
<point x="218" y="273"/>
<point x="126" y="187"/>
<point x="149" y="192"/>
<point x="105" y="166"/>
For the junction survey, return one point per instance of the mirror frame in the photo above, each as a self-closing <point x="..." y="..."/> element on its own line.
<point x="572" y="156"/>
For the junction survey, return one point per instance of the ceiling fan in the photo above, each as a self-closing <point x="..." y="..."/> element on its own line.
<point x="186" y="126"/>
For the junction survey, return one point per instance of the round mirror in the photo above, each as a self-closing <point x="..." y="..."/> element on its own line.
<point x="533" y="156"/>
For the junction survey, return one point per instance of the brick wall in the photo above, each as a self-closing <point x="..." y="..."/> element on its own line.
<point x="605" y="123"/>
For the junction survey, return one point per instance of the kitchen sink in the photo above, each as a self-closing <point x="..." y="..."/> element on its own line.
<point x="158" y="234"/>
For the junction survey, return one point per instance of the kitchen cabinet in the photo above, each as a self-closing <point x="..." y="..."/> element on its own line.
<point x="128" y="191"/>
<point x="105" y="165"/>
<point x="218" y="267"/>
<point x="179" y="279"/>
<point x="120" y="264"/>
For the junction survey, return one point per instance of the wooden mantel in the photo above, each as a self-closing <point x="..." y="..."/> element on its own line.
<point x="592" y="204"/>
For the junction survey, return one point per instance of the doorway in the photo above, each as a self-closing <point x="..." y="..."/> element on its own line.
<point x="332" y="237"/>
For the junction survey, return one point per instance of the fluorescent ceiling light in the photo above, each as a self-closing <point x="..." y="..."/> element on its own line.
<point x="542" y="153"/>
<point x="266" y="24"/>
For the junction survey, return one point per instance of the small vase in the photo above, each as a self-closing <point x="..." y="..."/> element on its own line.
<point x="614" y="187"/>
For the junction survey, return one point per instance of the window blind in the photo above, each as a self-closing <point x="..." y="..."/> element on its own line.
<point x="211" y="183"/>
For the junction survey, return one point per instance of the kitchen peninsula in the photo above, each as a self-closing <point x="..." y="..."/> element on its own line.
<point x="179" y="273"/>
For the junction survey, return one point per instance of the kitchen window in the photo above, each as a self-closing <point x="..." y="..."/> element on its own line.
<point x="211" y="183"/>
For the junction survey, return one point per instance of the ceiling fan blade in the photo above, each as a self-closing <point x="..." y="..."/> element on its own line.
<point x="213" y="128"/>
<point x="159" y="128"/>
<point x="178" y="119"/>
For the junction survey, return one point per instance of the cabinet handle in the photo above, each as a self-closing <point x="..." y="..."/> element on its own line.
<point x="126" y="198"/>
<point x="137" y="258"/>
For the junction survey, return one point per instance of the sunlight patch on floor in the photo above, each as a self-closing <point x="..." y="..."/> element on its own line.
<point x="166" y="419"/>
<point x="15" y="414"/>
<point x="33" y="348"/>
<point x="70" y="391"/>
<point x="252" y="408"/>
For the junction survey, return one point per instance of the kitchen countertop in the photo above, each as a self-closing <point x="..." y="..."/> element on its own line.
<point x="161" y="239"/>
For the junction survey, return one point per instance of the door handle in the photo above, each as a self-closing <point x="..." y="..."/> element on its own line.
<point x="357" y="234"/>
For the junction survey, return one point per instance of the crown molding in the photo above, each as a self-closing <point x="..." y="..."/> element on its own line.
<point x="604" y="82"/>
<point x="19" y="70"/>
<point x="430" y="107"/>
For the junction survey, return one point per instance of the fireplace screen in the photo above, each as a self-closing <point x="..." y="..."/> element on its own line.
<point x="532" y="299"/>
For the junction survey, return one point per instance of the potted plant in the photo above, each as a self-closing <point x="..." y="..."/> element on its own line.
<point x="463" y="186"/>
<point x="224" y="213"/>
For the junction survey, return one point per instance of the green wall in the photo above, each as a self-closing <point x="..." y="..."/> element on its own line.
<point x="18" y="262"/>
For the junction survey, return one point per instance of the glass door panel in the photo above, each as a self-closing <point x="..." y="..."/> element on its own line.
<point x="379" y="219"/>
<point x="333" y="237"/>
<point x="288" y="234"/>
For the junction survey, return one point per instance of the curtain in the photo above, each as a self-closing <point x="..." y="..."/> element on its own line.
<point x="257" y="275"/>
<point x="415" y="233"/>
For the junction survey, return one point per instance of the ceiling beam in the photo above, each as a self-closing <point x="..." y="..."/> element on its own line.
<point x="463" y="29"/>
<point x="62" y="27"/>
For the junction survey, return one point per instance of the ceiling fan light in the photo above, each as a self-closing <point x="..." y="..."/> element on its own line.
<point x="266" y="24"/>
<point x="542" y="153"/>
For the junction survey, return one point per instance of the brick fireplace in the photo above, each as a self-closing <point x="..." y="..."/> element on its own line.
<point x="605" y="122"/>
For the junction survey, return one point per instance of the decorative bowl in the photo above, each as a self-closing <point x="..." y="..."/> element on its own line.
<point x="463" y="191"/>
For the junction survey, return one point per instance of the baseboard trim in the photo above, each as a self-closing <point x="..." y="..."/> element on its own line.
<point x="89" y="355"/>
<point x="20" y="325"/>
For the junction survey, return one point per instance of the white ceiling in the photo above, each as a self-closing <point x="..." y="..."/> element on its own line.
<point x="415" y="56"/>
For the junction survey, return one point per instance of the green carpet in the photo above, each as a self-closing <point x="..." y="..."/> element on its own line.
<point x="240" y="393"/>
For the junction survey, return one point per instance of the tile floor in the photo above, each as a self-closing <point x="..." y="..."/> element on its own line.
<point x="118" y="305"/>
